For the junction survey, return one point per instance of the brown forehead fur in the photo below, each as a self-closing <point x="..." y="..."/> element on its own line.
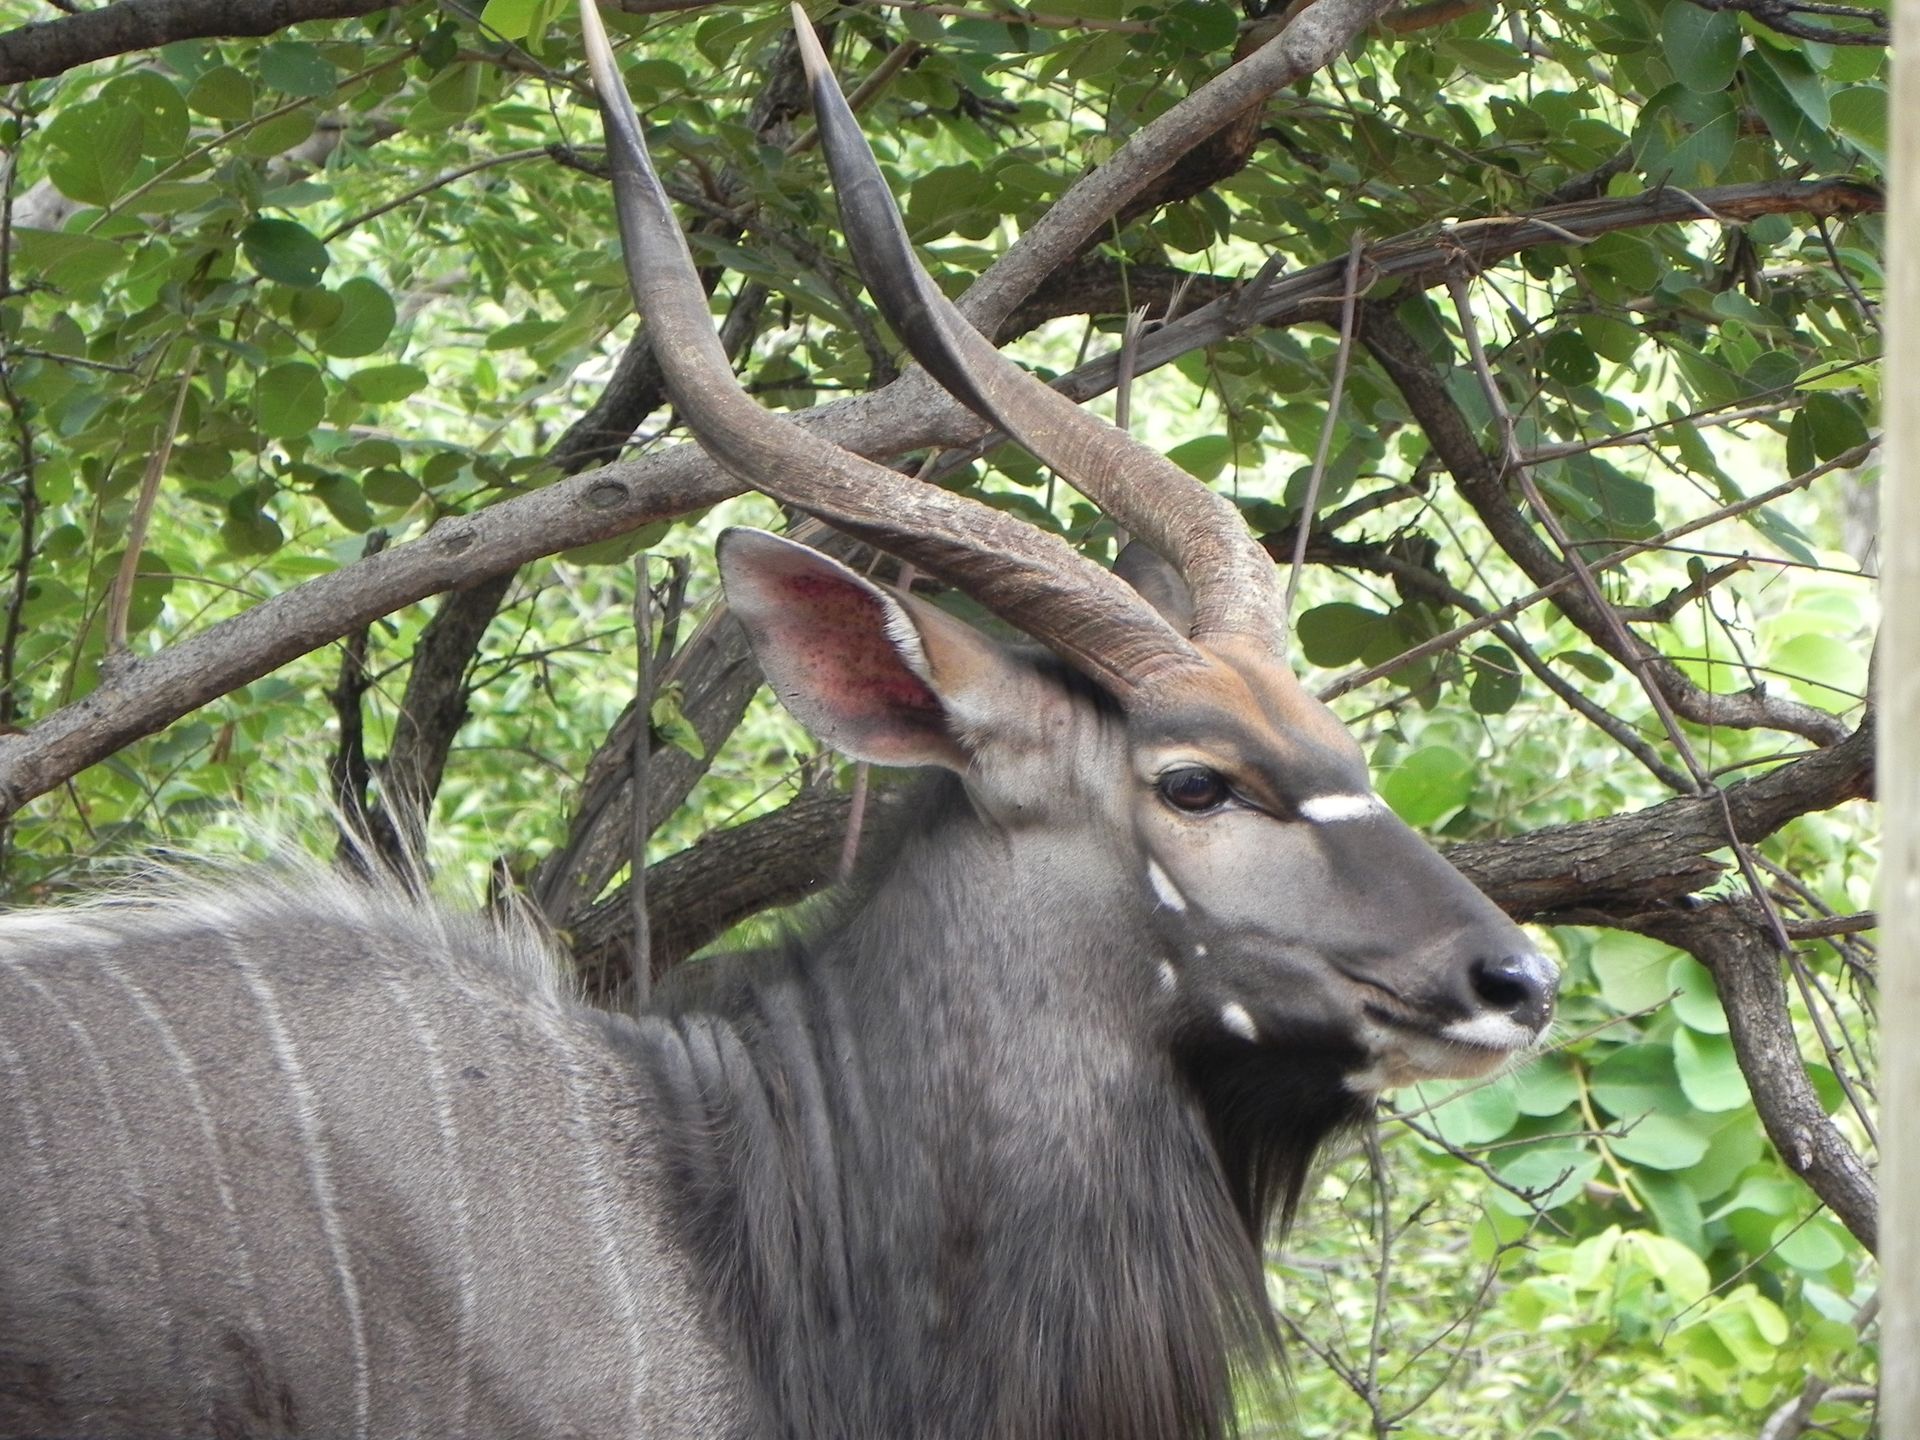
<point x="1245" y="710"/>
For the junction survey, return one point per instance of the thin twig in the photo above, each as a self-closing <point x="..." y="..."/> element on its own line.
<point x="1349" y="306"/>
<point x="641" y="964"/>
<point x="120" y="597"/>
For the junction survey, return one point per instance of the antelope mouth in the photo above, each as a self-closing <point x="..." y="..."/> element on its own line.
<point x="1404" y="1050"/>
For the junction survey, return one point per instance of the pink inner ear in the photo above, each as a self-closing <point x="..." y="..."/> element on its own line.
<point x="825" y="645"/>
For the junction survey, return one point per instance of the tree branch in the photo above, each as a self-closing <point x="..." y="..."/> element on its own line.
<point x="910" y="414"/>
<point x="1734" y="941"/>
<point x="51" y="47"/>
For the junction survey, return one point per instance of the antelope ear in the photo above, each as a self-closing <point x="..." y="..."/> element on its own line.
<point x="874" y="674"/>
<point x="1158" y="583"/>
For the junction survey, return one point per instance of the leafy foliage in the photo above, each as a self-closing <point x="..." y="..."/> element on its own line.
<point x="313" y="294"/>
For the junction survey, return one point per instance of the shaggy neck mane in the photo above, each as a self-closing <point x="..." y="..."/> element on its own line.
<point x="945" y="1177"/>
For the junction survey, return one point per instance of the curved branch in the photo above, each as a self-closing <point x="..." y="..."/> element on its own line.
<point x="52" y="47"/>
<point x="910" y="414"/>
<point x="1732" y="939"/>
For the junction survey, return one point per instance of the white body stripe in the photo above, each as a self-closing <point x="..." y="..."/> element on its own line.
<point x="209" y="1131"/>
<point x="457" y="1206"/>
<point x="319" y="1178"/>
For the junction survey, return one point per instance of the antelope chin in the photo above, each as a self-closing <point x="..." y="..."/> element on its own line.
<point x="1462" y="1050"/>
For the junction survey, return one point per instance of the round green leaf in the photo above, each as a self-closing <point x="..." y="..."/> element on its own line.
<point x="1709" y="1074"/>
<point x="1702" y="46"/>
<point x="1338" y="633"/>
<point x="163" y="114"/>
<point x="1429" y="785"/>
<point x="1469" y="1113"/>
<point x="248" y="530"/>
<point x="383" y="384"/>
<point x="1697" y="1002"/>
<point x="365" y="320"/>
<point x="96" y="147"/>
<point x="294" y="67"/>
<point x="290" y="399"/>
<point x="1664" y="1142"/>
<point x="1636" y="1080"/>
<point x="1546" y="1175"/>
<point x="1632" y="970"/>
<point x="1814" y="1246"/>
<point x="224" y="94"/>
<point x="1496" y="680"/>
<point x="1569" y="358"/>
<point x="1546" y="1086"/>
<point x="285" y="251"/>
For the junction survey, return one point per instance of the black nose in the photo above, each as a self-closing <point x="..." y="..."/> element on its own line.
<point x="1521" y="986"/>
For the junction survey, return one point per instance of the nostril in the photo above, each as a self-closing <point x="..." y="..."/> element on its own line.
<point x="1521" y="986"/>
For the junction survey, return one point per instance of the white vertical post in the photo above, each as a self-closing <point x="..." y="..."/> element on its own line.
<point x="1898" y="674"/>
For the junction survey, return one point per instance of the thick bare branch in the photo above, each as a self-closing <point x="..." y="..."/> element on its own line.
<point x="51" y="47"/>
<point x="1594" y="871"/>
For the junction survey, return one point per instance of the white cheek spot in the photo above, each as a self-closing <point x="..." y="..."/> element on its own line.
<point x="1169" y="977"/>
<point x="1199" y="952"/>
<point x="1163" y="887"/>
<point x="1235" y="1018"/>
<point x="1327" y="809"/>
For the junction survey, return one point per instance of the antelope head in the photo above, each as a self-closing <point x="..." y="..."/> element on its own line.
<point x="1288" y="905"/>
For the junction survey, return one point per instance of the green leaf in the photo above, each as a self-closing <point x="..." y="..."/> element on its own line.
<point x="384" y="384"/>
<point x="225" y="94"/>
<point x="1675" y="1207"/>
<point x="1664" y="1142"/>
<point x="163" y="114"/>
<point x="67" y="261"/>
<point x="1553" y="1174"/>
<point x="510" y="19"/>
<point x="1203" y="457"/>
<point x="345" y="502"/>
<point x="1596" y="668"/>
<point x="1702" y="46"/>
<point x="1632" y="970"/>
<point x="1569" y="359"/>
<point x="294" y="67"/>
<point x="285" y="251"/>
<point x="1860" y="114"/>
<point x="1697" y="1002"/>
<point x="1428" y="786"/>
<point x="1636" y="1080"/>
<point x="1815" y="1245"/>
<point x="1792" y="100"/>
<point x="290" y="399"/>
<point x="1822" y="670"/>
<point x="1709" y="1074"/>
<point x="365" y="320"/>
<point x="1546" y="1086"/>
<point x="670" y="723"/>
<point x="1496" y="680"/>
<point x="1468" y="1113"/>
<point x="97" y="147"/>
<point x="1338" y="633"/>
<point x="248" y="530"/>
<point x="518" y="334"/>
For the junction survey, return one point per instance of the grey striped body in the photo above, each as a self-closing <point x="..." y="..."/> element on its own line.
<point x="329" y="1164"/>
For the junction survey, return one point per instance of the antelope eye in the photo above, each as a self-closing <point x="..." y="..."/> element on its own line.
<point x="1194" y="788"/>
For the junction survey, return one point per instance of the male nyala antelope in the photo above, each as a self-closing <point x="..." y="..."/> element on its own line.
<point x="990" y="1157"/>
